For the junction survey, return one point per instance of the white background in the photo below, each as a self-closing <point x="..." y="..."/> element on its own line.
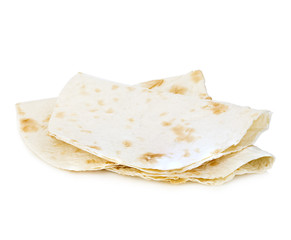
<point x="244" y="51"/>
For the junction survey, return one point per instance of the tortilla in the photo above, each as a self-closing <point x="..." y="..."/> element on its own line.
<point x="168" y="132"/>
<point x="33" y="118"/>
<point x="215" y="172"/>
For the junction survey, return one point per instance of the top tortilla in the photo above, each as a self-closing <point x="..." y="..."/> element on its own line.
<point x="150" y="130"/>
<point x="33" y="118"/>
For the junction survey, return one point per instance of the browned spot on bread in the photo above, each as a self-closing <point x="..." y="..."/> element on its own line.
<point x="216" y="108"/>
<point x="183" y="134"/>
<point x="187" y="153"/>
<point x="19" y="110"/>
<point x="61" y="145"/>
<point x="83" y="90"/>
<point x="60" y="114"/>
<point x="197" y="76"/>
<point x="115" y="99"/>
<point x="166" y="123"/>
<point x="100" y="102"/>
<point x="85" y="131"/>
<point x="214" y="162"/>
<point x="163" y="114"/>
<point x="95" y="147"/>
<point x="127" y="143"/>
<point x="47" y="118"/>
<point x="192" y="110"/>
<point x="154" y="83"/>
<point x="51" y="135"/>
<point x="72" y="120"/>
<point x="204" y="96"/>
<point x="117" y="152"/>
<point x="97" y="90"/>
<point x="29" y="125"/>
<point x="131" y="119"/>
<point x="178" y="89"/>
<point x="148" y="100"/>
<point x="93" y="110"/>
<point x="73" y="140"/>
<point x="197" y="150"/>
<point x="114" y="87"/>
<point x="96" y="117"/>
<point x="130" y="88"/>
<point x="92" y="161"/>
<point x="59" y="129"/>
<point x="193" y="171"/>
<point x="109" y="110"/>
<point x="76" y="150"/>
<point x="151" y="157"/>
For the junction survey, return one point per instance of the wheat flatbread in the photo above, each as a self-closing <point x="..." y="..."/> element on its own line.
<point x="168" y="131"/>
<point x="34" y="116"/>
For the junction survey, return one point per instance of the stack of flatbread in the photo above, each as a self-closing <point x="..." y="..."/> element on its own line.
<point x="166" y="130"/>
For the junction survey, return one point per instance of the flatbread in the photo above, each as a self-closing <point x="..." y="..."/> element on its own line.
<point x="34" y="116"/>
<point x="215" y="172"/>
<point x="68" y="157"/>
<point x="192" y="130"/>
